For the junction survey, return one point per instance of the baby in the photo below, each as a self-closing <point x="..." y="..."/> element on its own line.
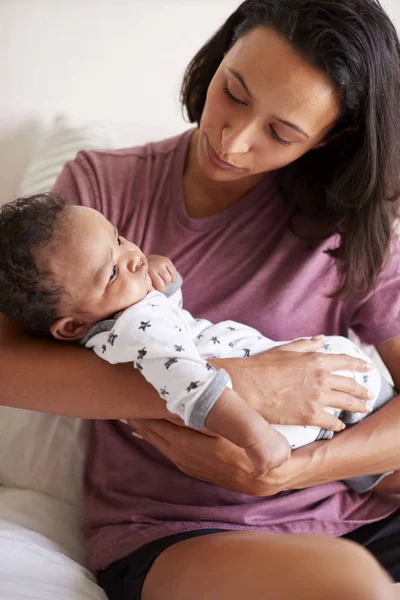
<point x="66" y="271"/>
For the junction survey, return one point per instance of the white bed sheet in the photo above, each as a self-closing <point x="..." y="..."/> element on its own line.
<point x="37" y="551"/>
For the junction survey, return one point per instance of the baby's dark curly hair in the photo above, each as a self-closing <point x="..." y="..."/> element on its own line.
<point x="26" y="225"/>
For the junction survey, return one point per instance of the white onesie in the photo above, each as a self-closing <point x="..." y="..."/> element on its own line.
<point x="170" y="348"/>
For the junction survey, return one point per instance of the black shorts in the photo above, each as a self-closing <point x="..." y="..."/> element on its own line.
<point x="124" y="579"/>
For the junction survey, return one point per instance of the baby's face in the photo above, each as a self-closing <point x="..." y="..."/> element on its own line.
<point x="101" y="272"/>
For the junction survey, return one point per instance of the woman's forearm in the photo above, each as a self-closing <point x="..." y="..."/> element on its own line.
<point x="368" y="448"/>
<point x="56" y="377"/>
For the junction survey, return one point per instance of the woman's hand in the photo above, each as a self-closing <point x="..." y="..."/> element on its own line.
<point x="218" y="461"/>
<point x="293" y="383"/>
<point x="206" y="457"/>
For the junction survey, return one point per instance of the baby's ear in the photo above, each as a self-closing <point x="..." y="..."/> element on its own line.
<point x="68" y="329"/>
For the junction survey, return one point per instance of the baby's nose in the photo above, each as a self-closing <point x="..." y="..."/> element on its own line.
<point x="134" y="261"/>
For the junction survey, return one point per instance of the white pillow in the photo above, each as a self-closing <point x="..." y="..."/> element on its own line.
<point x="54" y="519"/>
<point x="38" y="451"/>
<point x="60" y="143"/>
<point x="31" y="566"/>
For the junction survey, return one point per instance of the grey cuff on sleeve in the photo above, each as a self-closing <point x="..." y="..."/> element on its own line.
<point x="208" y="398"/>
<point x="174" y="286"/>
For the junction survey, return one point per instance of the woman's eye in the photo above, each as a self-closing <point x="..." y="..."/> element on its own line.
<point x="277" y="138"/>
<point x="114" y="274"/>
<point x="231" y="97"/>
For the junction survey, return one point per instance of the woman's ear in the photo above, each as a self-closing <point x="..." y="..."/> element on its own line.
<point x="68" y="329"/>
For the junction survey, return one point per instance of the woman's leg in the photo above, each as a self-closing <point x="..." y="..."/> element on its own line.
<point x="246" y="564"/>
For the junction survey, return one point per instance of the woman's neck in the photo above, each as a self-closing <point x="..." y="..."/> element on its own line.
<point x="205" y="197"/>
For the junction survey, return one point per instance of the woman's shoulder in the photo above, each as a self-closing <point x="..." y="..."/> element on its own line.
<point x="118" y="161"/>
<point x="93" y="176"/>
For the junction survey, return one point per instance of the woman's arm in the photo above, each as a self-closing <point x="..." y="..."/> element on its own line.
<point x="64" y="379"/>
<point x="372" y="446"/>
<point x="60" y="378"/>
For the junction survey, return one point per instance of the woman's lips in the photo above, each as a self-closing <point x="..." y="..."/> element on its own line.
<point x="219" y="162"/>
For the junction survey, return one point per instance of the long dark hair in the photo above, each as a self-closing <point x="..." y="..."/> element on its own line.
<point x="351" y="185"/>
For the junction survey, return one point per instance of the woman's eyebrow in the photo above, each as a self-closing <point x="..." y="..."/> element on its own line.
<point x="241" y="80"/>
<point x="293" y="126"/>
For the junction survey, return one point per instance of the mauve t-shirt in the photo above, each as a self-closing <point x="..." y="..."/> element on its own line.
<point x="242" y="264"/>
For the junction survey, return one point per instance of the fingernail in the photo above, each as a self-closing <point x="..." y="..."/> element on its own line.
<point x="123" y="421"/>
<point x="343" y="426"/>
<point x="317" y="338"/>
<point x="369" y="367"/>
<point x="369" y="405"/>
<point x="137" y="435"/>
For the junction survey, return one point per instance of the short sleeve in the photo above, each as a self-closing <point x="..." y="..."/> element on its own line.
<point x="377" y="318"/>
<point x="74" y="183"/>
<point x="110" y="181"/>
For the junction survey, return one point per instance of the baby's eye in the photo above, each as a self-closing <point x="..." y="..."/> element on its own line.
<point x="114" y="274"/>
<point x="119" y="241"/>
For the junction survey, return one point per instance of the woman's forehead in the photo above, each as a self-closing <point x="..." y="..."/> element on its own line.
<point x="277" y="75"/>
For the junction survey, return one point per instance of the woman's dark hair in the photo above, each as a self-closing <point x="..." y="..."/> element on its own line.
<point x="26" y="225"/>
<point x="351" y="185"/>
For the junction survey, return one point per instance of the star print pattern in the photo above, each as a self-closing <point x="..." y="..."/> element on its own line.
<point x="170" y="362"/>
<point x="170" y="349"/>
<point x="141" y="353"/>
<point x="192" y="386"/>
<point x="111" y="338"/>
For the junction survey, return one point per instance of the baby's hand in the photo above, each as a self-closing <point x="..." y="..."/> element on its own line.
<point x="161" y="271"/>
<point x="232" y="418"/>
<point x="269" y="452"/>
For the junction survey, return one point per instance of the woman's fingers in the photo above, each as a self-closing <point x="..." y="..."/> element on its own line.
<point x="328" y="362"/>
<point x="345" y="402"/>
<point x="307" y="345"/>
<point x="344" y="362"/>
<point x="354" y="391"/>
<point x="326" y="420"/>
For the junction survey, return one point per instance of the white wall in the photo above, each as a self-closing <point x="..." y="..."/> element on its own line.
<point x="119" y="60"/>
<point x="100" y="59"/>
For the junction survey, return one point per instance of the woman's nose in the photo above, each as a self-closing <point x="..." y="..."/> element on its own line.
<point x="237" y="140"/>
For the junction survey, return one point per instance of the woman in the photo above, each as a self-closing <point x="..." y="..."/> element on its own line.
<point x="278" y="211"/>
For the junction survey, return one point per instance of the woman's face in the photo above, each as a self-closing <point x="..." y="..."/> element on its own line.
<point x="265" y="107"/>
